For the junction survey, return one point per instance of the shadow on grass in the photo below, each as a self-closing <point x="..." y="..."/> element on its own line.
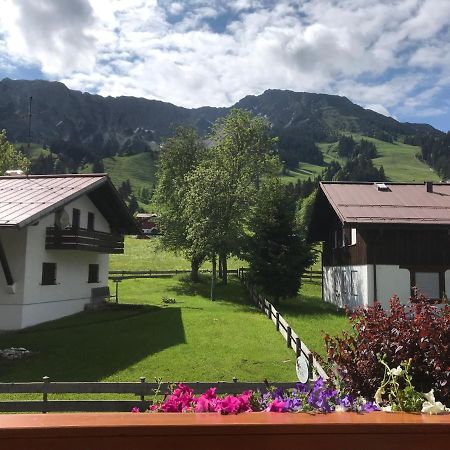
<point x="92" y="345"/>
<point x="233" y="293"/>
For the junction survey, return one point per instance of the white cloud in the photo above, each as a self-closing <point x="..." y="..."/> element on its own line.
<point x="384" y="54"/>
<point x="379" y="109"/>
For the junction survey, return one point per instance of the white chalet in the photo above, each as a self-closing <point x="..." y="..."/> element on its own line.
<point x="380" y="239"/>
<point x="56" y="232"/>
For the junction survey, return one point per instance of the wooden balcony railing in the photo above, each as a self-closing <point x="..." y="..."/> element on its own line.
<point x="82" y="239"/>
<point x="262" y="431"/>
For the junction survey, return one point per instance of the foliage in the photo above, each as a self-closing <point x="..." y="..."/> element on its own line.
<point x="277" y="254"/>
<point x="322" y="397"/>
<point x="180" y="155"/>
<point x="295" y="146"/>
<point x="435" y="150"/>
<point x="304" y="211"/>
<point x="10" y="158"/>
<point x="397" y="384"/>
<point x="418" y="331"/>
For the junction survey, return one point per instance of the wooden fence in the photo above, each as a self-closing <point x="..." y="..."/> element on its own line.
<point x="115" y="275"/>
<point x="312" y="275"/>
<point x="282" y="326"/>
<point x="140" y="390"/>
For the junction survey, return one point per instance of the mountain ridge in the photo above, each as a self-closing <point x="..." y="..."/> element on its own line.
<point x="100" y="126"/>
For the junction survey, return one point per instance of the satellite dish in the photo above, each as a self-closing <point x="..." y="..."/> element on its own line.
<point x="302" y="368"/>
<point x="62" y="219"/>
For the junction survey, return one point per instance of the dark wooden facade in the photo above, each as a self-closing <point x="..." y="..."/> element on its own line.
<point x="428" y="248"/>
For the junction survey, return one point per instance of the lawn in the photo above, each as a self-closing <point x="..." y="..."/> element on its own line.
<point x="147" y="254"/>
<point x="192" y="339"/>
<point x="310" y="317"/>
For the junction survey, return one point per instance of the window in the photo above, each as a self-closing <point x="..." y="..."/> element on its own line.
<point x="48" y="273"/>
<point x="91" y="221"/>
<point x="93" y="273"/>
<point x="75" y="218"/>
<point x="429" y="283"/>
<point x="353" y="237"/>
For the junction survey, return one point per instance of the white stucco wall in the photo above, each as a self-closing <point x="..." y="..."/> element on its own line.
<point x="390" y="280"/>
<point x="37" y="303"/>
<point x="347" y="285"/>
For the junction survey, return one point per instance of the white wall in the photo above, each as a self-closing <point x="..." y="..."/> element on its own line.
<point x="14" y="244"/>
<point x="347" y="285"/>
<point x="390" y="280"/>
<point x="37" y="303"/>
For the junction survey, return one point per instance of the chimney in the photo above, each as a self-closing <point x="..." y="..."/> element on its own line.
<point x="429" y="186"/>
<point x="14" y="173"/>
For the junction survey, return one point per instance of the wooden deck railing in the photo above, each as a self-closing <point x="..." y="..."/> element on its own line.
<point x="261" y="431"/>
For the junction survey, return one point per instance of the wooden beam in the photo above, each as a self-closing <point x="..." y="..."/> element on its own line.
<point x="262" y="431"/>
<point x="5" y="266"/>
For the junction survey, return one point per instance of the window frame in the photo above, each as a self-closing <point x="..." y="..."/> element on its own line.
<point x="441" y="274"/>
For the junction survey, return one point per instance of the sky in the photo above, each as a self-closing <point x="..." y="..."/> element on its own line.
<point x="392" y="56"/>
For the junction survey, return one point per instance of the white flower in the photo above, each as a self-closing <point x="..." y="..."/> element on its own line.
<point x="386" y="408"/>
<point x="431" y="406"/>
<point x="339" y="408"/>
<point x="378" y="395"/>
<point x="397" y="371"/>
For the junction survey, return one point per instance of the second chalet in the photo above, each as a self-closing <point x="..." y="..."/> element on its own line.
<point x="380" y="239"/>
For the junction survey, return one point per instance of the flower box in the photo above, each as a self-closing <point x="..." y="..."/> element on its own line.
<point x="164" y="431"/>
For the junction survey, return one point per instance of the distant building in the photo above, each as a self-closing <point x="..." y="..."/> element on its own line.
<point x="147" y="223"/>
<point x="380" y="239"/>
<point x="56" y="232"/>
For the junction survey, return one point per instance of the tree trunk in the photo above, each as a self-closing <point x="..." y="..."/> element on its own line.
<point x="224" y="270"/>
<point x="213" y="278"/>
<point x="220" y="267"/>
<point x="195" y="266"/>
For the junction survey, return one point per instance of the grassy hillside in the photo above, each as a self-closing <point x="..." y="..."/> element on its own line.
<point x="139" y="169"/>
<point x="398" y="160"/>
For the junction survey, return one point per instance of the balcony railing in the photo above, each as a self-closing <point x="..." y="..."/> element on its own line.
<point x="82" y="239"/>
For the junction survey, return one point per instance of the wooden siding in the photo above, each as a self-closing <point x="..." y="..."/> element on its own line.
<point x="409" y="248"/>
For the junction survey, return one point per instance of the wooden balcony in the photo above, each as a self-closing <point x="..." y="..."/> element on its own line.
<point x="261" y="431"/>
<point x="82" y="239"/>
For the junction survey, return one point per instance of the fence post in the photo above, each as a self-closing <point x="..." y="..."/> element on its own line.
<point x="310" y="366"/>
<point x="298" y="346"/>
<point x="288" y="337"/>
<point x="46" y="381"/>
<point x="142" y="393"/>
<point x="278" y="321"/>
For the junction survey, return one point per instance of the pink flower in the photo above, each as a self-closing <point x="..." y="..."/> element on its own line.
<point x="277" y="406"/>
<point x="135" y="410"/>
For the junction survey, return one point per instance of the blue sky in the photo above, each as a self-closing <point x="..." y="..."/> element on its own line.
<point x="392" y="56"/>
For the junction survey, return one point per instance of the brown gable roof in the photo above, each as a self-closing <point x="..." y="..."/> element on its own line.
<point x="400" y="203"/>
<point x="25" y="199"/>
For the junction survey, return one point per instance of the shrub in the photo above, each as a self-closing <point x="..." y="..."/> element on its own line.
<point x="419" y="331"/>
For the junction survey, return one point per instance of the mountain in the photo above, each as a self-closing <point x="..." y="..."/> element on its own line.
<point x="87" y="126"/>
